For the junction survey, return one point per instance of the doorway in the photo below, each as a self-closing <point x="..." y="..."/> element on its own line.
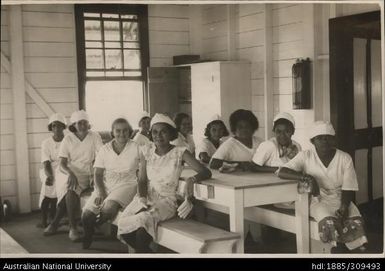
<point x="356" y="97"/>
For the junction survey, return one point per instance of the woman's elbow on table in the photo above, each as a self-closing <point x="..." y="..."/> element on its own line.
<point x="215" y="163"/>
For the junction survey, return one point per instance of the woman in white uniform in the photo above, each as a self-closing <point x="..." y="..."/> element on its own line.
<point x="237" y="151"/>
<point x="115" y="179"/>
<point x="184" y="128"/>
<point x="278" y="150"/>
<point x="214" y="132"/>
<point x="50" y="161"/>
<point x="159" y="172"/>
<point x="143" y="136"/>
<point x="332" y="172"/>
<point x="74" y="176"/>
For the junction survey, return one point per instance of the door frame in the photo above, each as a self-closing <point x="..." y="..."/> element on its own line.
<point x="342" y="30"/>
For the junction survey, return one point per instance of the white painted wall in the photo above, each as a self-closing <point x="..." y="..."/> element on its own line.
<point x="168" y="33"/>
<point x="299" y="31"/>
<point x="7" y="145"/>
<point x="50" y="66"/>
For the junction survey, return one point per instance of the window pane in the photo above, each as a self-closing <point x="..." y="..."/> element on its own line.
<point x="131" y="45"/>
<point x="92" y="30"/>
<point x="132" y="17"/>
<point x="94" y="59"/>
<point x="112" y="44"/>
<point x="113" y="59"/>
<point x="111" y="30"/>
<point x="130" y="31"/>
<point x="93" y="44"/>
<point x="132" y="73"/>
<point x="89" y="14"/>
<point x="114" y="73"/>
<point x="107" y="15"/>
<point x="95" y="74"/>
<point x="131" y="59"/>
<point x="108" y="100"/>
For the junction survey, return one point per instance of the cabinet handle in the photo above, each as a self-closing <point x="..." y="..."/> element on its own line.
<point x="212" y="78"/>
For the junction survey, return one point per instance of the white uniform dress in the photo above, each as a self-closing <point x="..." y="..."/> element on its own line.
<point x="205" y="146"/>
<point x="49" y="152"/>
<point x="233" y="150"/>
<point x="183" y="141"/>
<point x="120" y="179"/>
<point x="332" y="180"/>
<point x="141" y="139"/>
<point x="163" y="173"/>
<point x="267" y="154"/>
<point x="80" y="155"/>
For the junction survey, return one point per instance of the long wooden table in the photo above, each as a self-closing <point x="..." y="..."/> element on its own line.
<point x="233" y="193"/>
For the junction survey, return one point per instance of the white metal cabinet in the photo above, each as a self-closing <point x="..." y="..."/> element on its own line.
<point x="219" y="87"/>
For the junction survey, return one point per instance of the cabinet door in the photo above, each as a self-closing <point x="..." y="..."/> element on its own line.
<point x="205" y="93"/>
<point x="162" y="92"/>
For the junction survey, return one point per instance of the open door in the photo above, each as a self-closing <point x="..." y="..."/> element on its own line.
<point x="356" y="97"/>
<point x="162" y="91"/>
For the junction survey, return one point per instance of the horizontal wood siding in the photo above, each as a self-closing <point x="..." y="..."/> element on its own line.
<point x="168" y="33"/>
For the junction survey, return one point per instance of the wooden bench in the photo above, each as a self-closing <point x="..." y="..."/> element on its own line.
<point x="190" y="236"/>
<point x="284" y="219"/>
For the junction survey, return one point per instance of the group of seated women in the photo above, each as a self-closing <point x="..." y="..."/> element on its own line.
<point x="139" y="174"/>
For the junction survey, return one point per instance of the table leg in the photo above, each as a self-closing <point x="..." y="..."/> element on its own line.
<point x="302" y="223"/>
<point x="236" y="213"/>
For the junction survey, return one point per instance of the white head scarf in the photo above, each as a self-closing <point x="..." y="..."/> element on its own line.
<point x="321" y="128"/>
<point x="57" y="117"/>
<point x="78" y="116"/>
<point x="161" y="118"/>
<point x="286" y="116"/>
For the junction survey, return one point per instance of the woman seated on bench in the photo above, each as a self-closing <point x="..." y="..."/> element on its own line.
<point x="74" y="175"/>
<point x="215" y="131"/>
<point x="159" y="173"/>
<point x="278" y="150"/>
<point x="183" y="125"/>
<point x="142" y="137"/>
<point x="115" y="179"/>
<point x="50" y="160"/>
<point x="328" y="173"/>
<point x="237" y="151"/>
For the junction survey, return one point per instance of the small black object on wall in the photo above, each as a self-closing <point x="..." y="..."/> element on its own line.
<point x="302" y="84"/>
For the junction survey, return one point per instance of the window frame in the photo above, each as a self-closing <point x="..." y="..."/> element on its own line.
<point x="142" y="12"/>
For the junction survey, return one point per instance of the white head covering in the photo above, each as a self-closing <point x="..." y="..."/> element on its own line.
<point x="321" y="128"/>
<point x="78" y="116"/>
<point x="143" y="115"/>
<point x="161" y="118"/>
<point x="57" y="117"/>
<point x="286" y="116"/>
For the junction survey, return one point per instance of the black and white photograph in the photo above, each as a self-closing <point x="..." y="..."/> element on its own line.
<point x="246" y="129"/>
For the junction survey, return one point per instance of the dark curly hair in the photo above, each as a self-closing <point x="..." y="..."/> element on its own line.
<point x="179" y="118"/>
<point x="246" y="115"/>
<point x="173" y="132"/>
<point x="284" y="122"/>
<point x="208" y="127"/>
<point x="121" y="120"/>
<point x="50" y="125"/>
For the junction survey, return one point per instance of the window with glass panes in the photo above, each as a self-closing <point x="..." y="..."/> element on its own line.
<point x="112" y="52"/>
